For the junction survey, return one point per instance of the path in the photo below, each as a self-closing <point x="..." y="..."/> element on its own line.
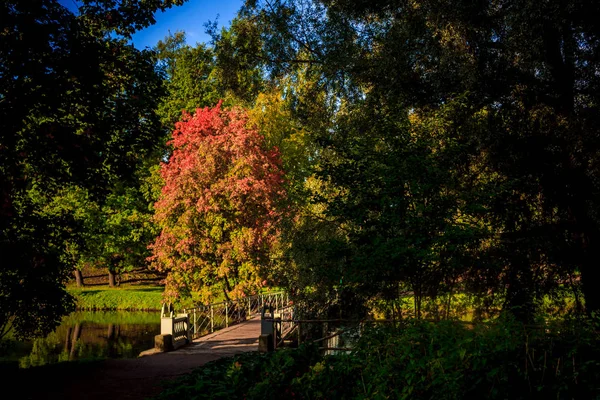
<point x="140" y="378"/>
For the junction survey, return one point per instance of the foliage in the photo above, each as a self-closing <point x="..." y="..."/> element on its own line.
<point x="189" y="75"/>
<point x="77" y="111"/>
<point x="463" y="142"/>
<point x="219" y="206"/>
<point x="249" y="375"/>
<point x="237" y="70"/>
<point x="417" y="360"/>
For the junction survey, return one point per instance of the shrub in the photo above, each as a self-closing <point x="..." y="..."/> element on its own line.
<point x="418" y="360"/>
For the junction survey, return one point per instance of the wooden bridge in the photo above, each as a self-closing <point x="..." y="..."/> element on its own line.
<point x="225" y="328"/>
<point x="229" y="341"/>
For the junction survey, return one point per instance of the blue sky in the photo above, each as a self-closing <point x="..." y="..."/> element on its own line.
<point x="189" y="17"/>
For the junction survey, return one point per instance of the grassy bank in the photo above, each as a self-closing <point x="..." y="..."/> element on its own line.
<point x="124" y="298"/>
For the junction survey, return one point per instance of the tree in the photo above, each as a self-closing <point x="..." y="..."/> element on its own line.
<point x="521" y="78"/>
<point x="219" y="208"/>
<point x="189" y="76"/>
<point x="77" y="108"/>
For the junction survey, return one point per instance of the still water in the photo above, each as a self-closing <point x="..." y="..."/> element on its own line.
<point x="88" y="335"/>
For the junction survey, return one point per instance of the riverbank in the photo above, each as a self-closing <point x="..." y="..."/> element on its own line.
<point x="137" y="378"/>
<point x="128" y="298"/>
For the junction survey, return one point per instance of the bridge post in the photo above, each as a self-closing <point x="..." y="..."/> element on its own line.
<point x="212" y="319"/>
<point x="268" y="334"/>
<point x="226" y="314"/>
<point x="195" y="323"/>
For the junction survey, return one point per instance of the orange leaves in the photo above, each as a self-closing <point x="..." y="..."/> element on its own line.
<point x="220" y="204"/>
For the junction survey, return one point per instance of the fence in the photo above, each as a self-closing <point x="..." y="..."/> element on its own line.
<point x="332" y="335"/>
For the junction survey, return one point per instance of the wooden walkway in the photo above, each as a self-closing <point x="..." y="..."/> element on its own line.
<point x="226" y="342"/>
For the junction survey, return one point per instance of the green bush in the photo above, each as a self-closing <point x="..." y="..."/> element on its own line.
<point x="418" y="360"/>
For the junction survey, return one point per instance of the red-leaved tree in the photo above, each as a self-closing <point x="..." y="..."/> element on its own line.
<point x="219" y="207"/>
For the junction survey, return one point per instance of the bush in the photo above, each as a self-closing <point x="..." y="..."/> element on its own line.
<point x="418" y="360"/>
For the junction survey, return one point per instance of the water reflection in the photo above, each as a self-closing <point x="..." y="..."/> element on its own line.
<point x="89" y="335"/>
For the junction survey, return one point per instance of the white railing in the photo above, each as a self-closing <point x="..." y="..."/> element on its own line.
<point x="205" y="319"/>
<point x="181" y="330"/>
<point x="178" y="326"/>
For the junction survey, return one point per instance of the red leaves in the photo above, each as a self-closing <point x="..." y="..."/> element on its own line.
<point x="219" y="206"/>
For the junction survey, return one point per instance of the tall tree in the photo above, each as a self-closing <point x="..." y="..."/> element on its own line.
<point x="219" y="207"/>
<point x="522" y="72"/>
<point x="189" y="78"/>
<point x="76" y="108"/>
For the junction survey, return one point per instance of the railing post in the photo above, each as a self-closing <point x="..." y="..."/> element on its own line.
<point x="212" y="319"/>
<point x="188" y="328"/>
<point x="226" y="314"/>
<point x="195" y="323"/>
<point x="249" y="307"/>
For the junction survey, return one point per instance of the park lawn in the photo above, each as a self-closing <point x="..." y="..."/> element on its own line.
<point x="127" y="298"/>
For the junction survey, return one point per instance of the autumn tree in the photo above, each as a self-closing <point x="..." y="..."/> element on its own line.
<point x="219" y="208"/>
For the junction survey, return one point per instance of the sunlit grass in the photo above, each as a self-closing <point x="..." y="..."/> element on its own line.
<point x="126" y="298"/>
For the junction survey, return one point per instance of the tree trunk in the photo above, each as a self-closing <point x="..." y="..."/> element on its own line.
<point x="78" y="278"/>
<point x="590" y="274"/>
<point x="111" y="331"/>
<point x="112" y="278"/>
<point x="75" y="338"/>
<point x="520" y="292"/>
<point x="68" y="339"/>
<point x="227" y="288"/>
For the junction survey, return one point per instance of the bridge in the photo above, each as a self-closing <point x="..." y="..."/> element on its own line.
<point x="225" y="328"/>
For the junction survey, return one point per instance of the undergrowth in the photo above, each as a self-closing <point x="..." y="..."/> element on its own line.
<point x="417" y="360"/>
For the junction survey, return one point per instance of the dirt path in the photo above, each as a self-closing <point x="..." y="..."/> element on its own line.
<point x="138" y="378"/>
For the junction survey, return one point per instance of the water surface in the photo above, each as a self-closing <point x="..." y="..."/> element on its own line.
<point x="88" y="335"/>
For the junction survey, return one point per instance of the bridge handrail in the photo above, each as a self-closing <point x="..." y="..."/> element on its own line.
<point x="208" y="318"/>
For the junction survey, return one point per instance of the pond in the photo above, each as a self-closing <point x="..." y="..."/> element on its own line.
<point x="87" y="335"/>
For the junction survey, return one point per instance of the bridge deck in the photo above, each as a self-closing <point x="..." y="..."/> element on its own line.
<point x="236" y="339"/>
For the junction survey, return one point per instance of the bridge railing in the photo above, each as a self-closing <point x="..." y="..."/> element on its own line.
<point x="176" y="327"/>
<point x="276" y="325"/>
<point x="208" y="318"/>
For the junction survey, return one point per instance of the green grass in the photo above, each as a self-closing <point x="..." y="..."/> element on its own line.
<point x="126" y="298"/>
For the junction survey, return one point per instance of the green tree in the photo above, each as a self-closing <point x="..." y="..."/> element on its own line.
<point x="76" y="108"/>
<point x="519" y="78"/>
<point x="189" y="76"/>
